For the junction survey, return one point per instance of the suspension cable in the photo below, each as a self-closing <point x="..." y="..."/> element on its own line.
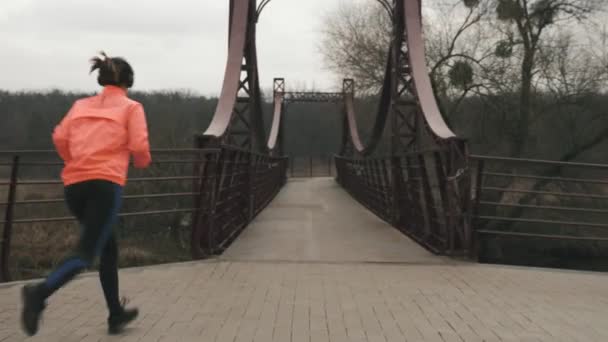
<point x="387" y="6"/>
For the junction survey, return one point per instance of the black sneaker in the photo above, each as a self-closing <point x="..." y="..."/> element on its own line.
<point x="33" y="305"/>
<point x="117" y="322"/>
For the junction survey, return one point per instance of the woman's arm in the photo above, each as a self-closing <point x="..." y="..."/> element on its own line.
<point x="61" y="137"/>
<point x="138" y="137"/>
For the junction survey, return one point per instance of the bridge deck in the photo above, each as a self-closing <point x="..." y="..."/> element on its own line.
<point x="315" y="220"/>
<point x="319" y="286"/>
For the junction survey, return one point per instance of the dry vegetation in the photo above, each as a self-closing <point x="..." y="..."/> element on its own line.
<point x="38" y="247"/>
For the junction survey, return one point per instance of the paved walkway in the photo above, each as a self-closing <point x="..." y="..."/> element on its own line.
<point x="329" y="295"/>
<point x="315" y="220"/>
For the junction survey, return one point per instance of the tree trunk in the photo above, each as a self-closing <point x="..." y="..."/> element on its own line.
<point x="522" y="129"/>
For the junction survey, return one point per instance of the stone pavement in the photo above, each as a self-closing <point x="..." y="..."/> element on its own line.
<point x="329" y="295"/>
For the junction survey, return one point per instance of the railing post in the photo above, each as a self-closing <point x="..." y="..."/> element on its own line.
<point x="8" y="222"/>
<point x="203" y="226"/>
<point x="197" y="188"/>
<point x="386" y="185"/>
<point x="432" y="230"/>
<point x="467" y="205"/>
<point x="448" y="210"/>
<point x="283" y="169"/>
<point x="338" y="170"/>
<point x="253" y="163"/>
<point x="475" y="210"/>
<point x="371" y="174"/>
<point x="397" y="187"/>
<point x="311" y="174"/>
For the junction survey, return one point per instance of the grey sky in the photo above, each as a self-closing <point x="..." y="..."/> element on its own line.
<point x="177" y="44"/>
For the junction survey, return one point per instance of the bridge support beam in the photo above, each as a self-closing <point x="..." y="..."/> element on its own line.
<point x="279" y="93"/>
<point x="427" y="184"/>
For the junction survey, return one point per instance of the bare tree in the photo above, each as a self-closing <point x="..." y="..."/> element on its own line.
<point x="510" y="54"/>
<point x="454" y="49"/>
<point x="571" y="75"/>
<point x="524" y="25"/>
<point x="356" y="39"/>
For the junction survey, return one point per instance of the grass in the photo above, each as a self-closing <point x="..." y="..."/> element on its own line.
<point x="38" y="248"/>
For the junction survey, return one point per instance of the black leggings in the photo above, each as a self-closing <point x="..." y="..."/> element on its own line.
<point x="95" y="204"/>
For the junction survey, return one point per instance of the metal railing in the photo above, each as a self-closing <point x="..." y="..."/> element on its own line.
<point x="164" y="189"/>
<point x="311" y="166"/>
<point x="555" y="205"/>
<point x="235" y="186"/>
<point x="417" y="193"/>
<point x="218" y="191"/>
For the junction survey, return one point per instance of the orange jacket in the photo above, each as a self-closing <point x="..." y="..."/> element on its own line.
<point x="98" y="135"/>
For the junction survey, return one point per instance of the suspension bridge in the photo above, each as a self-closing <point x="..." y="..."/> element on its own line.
<point x="387" y="250"/>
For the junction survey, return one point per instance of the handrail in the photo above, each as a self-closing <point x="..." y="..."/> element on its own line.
<point x="540" y="161"/>
<point x="165" y="199"/>
<point x="539" y="203"/>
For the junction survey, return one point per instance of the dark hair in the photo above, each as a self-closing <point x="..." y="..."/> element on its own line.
<point x="114" y="71"/>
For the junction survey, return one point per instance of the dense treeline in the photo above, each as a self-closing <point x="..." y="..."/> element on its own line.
<point x="27" y="120"/>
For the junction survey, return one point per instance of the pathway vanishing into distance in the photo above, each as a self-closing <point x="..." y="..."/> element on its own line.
<point x="317" y="266"/>
<point x="314" y="220"/>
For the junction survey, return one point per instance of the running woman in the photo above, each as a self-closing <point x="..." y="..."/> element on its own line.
<point x="96" y="140"/>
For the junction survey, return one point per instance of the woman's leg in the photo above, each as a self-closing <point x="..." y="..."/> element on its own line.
<point x="95" y="204"/>
<point x="102" y="200"/>
<point x="108" y="275"/>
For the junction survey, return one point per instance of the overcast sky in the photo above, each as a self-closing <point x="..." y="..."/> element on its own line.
<point x="177" y="44"/>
